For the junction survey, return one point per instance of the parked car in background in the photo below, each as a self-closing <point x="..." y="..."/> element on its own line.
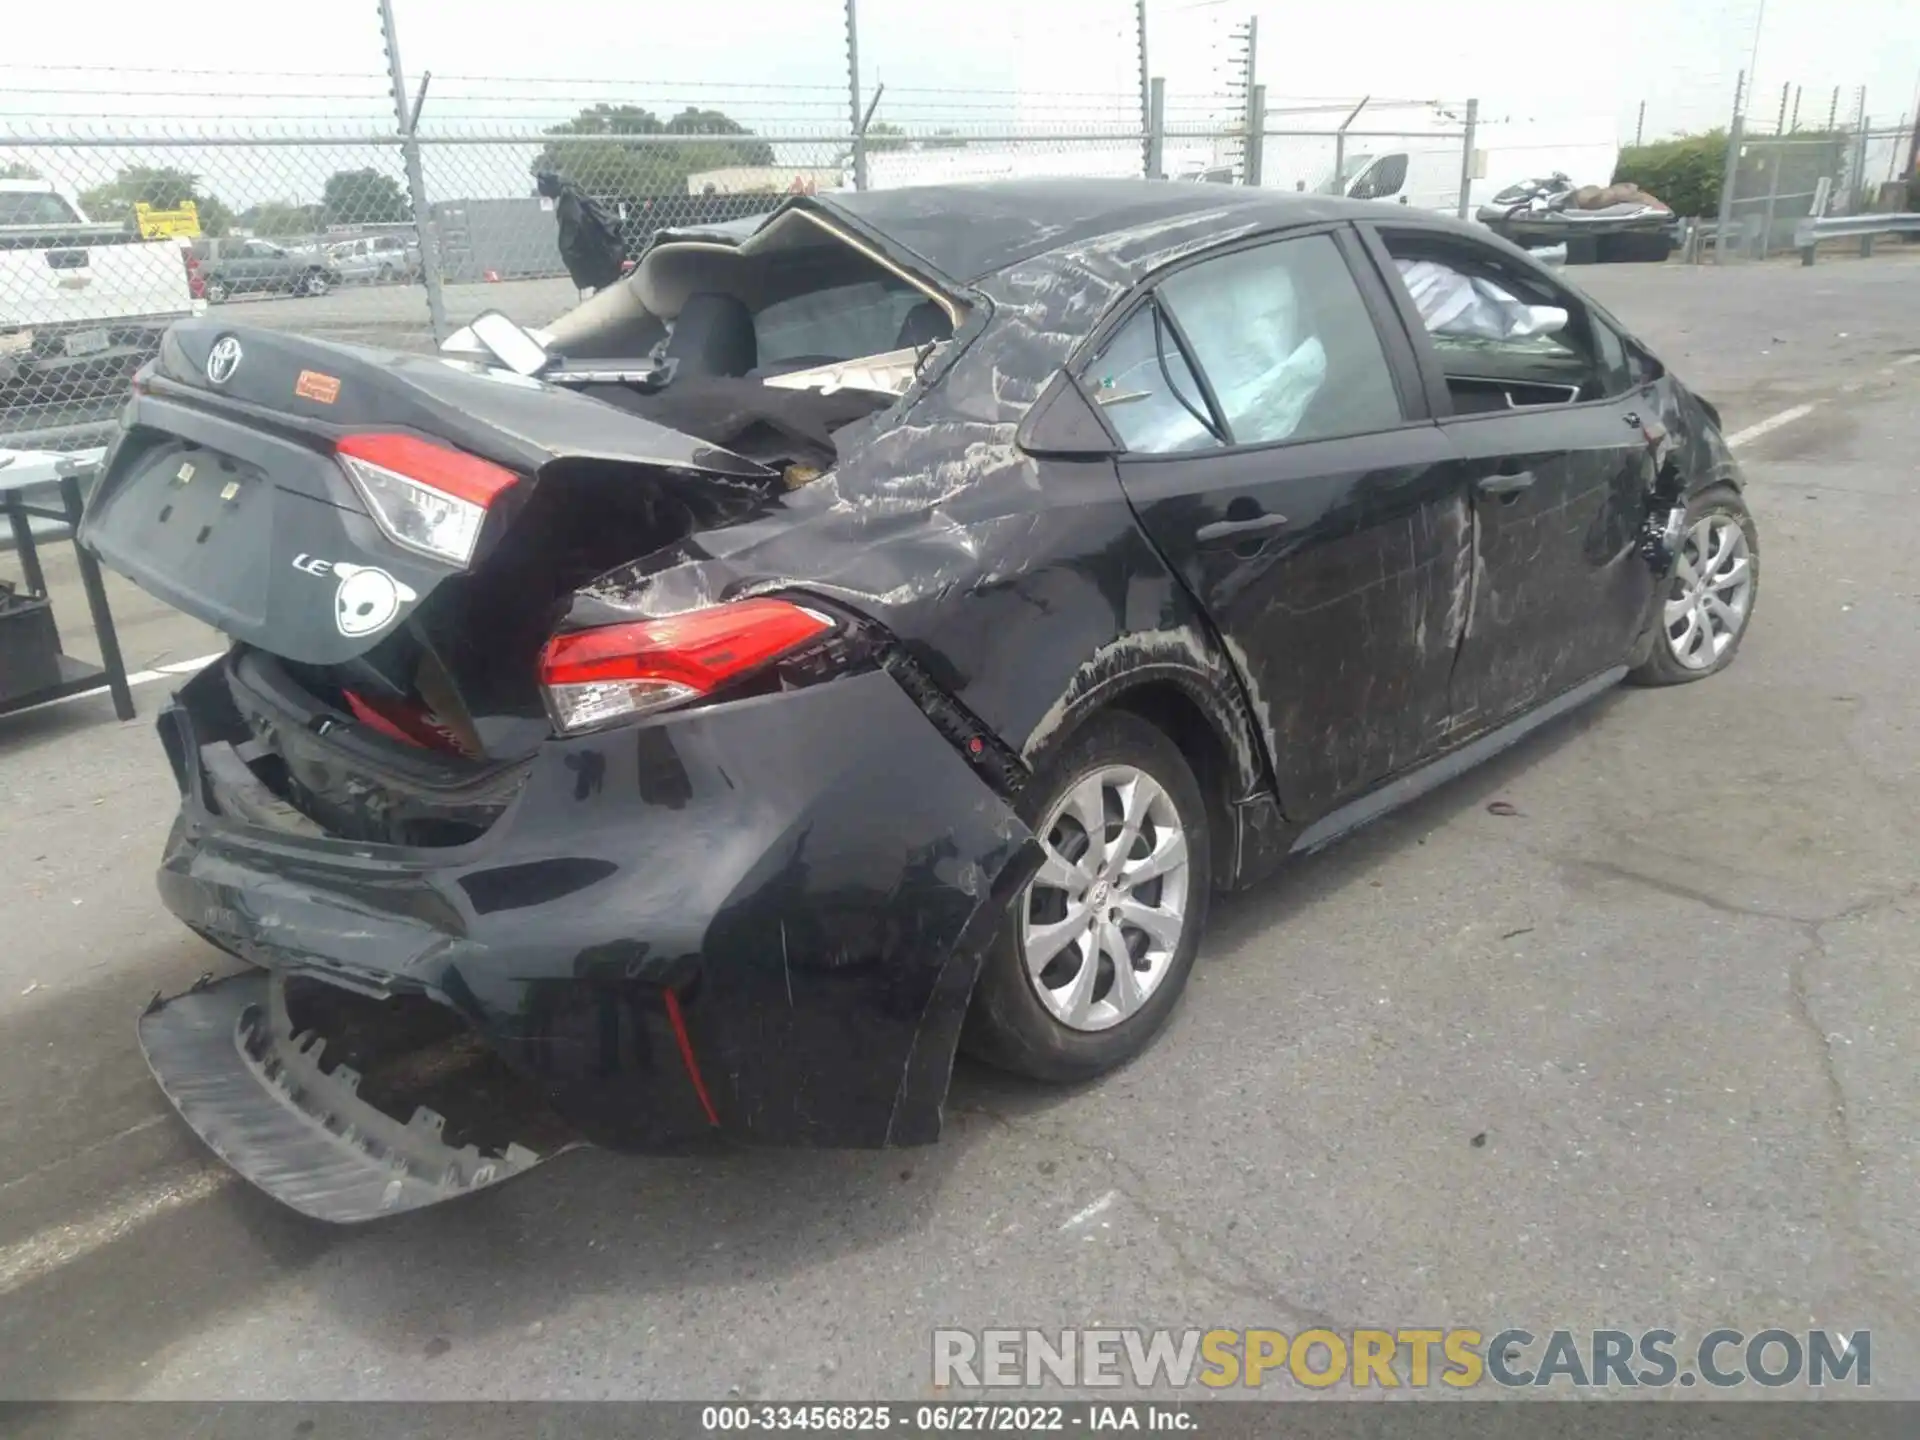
<point x="375" y="259"/>
<point x="82" y="304"/>
<point x="233" y="267"/>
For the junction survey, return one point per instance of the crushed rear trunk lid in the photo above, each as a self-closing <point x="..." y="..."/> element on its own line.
<point x="224" y="497"/>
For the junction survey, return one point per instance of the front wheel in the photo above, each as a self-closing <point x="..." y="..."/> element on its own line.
<point x="316" y="284"/>
<point x="1710" y="595"/>
<point x="217" y="292"/>
<point x="1097" y="948"/>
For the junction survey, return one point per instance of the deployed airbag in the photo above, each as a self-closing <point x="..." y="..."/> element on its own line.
<point x="1468" y="305"/>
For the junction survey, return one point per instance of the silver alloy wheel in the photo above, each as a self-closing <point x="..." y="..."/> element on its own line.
<point x="1712" y="591"/>
<point x="1100" y="922"/>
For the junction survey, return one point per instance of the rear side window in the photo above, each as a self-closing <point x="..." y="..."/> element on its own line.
<point x="848" y="321"/>
<point x="34" y="207"/>
<point x="1143" y="384"/>
<point x="1285" y="341"/>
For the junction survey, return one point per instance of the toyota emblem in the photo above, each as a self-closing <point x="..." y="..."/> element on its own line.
<point x="223" y="359"/>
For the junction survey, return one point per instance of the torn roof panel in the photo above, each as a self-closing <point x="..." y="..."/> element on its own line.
<point x="965" y="232"/>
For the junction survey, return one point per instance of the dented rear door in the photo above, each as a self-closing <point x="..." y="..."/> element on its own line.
<point x="1325" y="528"/>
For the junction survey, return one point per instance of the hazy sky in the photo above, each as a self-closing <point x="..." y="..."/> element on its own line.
<point x="1680" y="56"/>
<point x="779" y="65"/>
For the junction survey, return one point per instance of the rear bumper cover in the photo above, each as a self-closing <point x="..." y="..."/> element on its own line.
<point x="228" y="1059"/>
<point x="813" y="876"/>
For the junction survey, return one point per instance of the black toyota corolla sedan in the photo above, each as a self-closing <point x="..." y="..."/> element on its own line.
<point x="861" y="632"/>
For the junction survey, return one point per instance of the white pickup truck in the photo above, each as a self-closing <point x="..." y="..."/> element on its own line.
<point x="82" y="305"/>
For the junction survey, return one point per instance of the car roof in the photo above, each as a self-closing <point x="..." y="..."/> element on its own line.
<point x="968" y="231"/>
<point x="28" y="187"/>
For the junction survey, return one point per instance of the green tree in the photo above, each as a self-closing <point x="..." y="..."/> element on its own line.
<point x="281" y="219"/>
<point x="640" y="167"/>
<point x="882" y="135"/>
<point x="19" y="170"/>
<point x="364" y="197"/>
<point x="1685" y="172"/>
<point x="161" y="186"/>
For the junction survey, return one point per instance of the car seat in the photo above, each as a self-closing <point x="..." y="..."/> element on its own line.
<point x="713" y="335"/>
<point x="925" y="324"/>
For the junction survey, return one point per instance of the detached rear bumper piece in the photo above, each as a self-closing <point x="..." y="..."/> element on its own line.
<point x="228" y="1058"/>
<point x="762" y="919"/>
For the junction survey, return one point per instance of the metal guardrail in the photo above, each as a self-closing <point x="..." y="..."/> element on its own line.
<point x="1808" y="234"/>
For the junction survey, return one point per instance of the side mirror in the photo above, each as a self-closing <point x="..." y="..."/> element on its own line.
<point x="511" y="344"/>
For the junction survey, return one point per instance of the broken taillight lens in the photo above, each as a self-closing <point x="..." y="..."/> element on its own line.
<point x="425" y="497"/>
<point x="615" y="672"/>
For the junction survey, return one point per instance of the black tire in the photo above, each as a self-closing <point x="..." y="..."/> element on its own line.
<point x="1660" y="666"/>
<point x="315" y="284"/>
<point x="1009" y="1026"/>
<point x="217" y="292"/>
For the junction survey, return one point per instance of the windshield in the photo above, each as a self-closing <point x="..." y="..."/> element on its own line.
<point x="34" y="207"/>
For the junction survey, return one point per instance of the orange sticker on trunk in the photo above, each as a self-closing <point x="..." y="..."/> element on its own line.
<point x="312" y="385"/>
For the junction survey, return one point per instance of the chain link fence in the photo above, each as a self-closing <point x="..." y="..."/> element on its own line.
<point x="1778" y="179"/>
<point x="330" y="218"/>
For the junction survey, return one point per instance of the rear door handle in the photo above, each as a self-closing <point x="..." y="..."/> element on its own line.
<point x="1238" y="532"/>
<point x="1504" y="484"/>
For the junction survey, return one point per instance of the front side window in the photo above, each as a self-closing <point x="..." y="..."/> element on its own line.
<point x="1142" y="383"/>
<point x="1383" y="181"/>
<point x="1504" y="336"/>
<point x="1286" y="343"/>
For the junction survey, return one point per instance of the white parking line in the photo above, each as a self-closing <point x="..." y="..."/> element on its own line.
<point x="1096" y="1208"/>
<point x="138" y="677"/>
<point x="1913" y="359"/>
<point x="1769" y="425"/>
<point x="38" y="1256"/>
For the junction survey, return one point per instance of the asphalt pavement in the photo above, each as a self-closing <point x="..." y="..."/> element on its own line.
<point x="1634" y="1048"/>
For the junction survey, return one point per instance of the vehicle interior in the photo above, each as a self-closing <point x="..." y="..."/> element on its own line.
<point x="693" y="336"/>
<point x="1506" y="339"/>
<point x="796" y="294"/>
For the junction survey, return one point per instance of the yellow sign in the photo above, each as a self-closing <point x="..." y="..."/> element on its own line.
<point x="181" y="224"/>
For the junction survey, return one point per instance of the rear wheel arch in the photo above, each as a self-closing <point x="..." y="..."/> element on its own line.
<point x="1187" y="708"/>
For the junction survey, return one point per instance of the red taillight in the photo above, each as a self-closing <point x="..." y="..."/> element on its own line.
<point x="617" y="671"/>
<point x="451" y="472"/>
<point x="427" y="497"/>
